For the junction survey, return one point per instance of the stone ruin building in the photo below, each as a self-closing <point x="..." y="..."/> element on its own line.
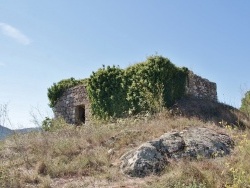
<point x="74" y="105"/>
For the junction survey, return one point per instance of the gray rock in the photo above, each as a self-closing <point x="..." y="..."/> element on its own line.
<point x="172" y="144"/>
<point x="203" y="142"/>
<point x="143" y="161"/>
<point x="151" y="157"/>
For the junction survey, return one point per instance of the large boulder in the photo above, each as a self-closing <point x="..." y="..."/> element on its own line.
<point x="151" y="157"/>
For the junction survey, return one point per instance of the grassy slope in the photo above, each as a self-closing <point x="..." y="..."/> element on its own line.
<point x="89" y="156"/>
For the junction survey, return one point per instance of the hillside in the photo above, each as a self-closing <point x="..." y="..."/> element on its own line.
<point x="4" y="132"/>
<point x="89" y="156"/>
<point x="27" y="130"/>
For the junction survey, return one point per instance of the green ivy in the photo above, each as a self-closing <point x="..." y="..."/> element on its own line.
<point x="154" y="83"/>
<point x="245" y="104"/>
<point x="147" y="86"/>
<point x="107" y="92"/>
<point x="114" y="92"/>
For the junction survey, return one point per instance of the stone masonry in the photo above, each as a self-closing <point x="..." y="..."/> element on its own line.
<point x="74" y="105"/>
<point x="200" y="87"/>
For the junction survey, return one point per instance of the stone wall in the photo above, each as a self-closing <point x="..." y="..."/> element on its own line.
<point x="73" y="106"/>
<point x="200" y="87"/>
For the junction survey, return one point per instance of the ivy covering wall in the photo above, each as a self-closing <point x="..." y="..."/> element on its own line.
<point x="146" y="86"/>
<point x="107" y="92"/>
<point x="114" y="92"/>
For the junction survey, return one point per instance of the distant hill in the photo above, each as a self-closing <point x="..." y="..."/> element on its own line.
<point x="27" y="130"/>
<point x="5" y="132"/>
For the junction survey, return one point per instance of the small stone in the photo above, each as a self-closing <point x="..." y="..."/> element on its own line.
<point x="111" y="151"/>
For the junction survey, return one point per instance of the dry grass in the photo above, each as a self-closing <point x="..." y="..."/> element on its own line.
<point x="88" y="156"/>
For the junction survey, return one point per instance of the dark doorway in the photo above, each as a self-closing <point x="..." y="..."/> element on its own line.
<point x="80" y="114"/>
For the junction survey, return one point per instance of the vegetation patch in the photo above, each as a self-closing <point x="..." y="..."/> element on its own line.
<point x="88" y="156"/>
<point x="148" y="86"/>
<point x="144" y="87"/>
<point x="80" y="156"/>
<point x="245" y="104"/>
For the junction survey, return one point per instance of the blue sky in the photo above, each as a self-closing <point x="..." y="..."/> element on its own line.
<point x="42" y="42"/>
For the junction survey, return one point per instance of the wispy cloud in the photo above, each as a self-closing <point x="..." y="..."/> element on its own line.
<point x="2" y="64"/>
<point x="14" y="33"/>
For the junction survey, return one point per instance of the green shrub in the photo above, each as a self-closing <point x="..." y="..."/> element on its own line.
<point x="154" y="84"/>
<point x="144" y="87"/>
<point x="245" y="104"/>
<point x="49" y="124"/>
<point x="107" y="92"/>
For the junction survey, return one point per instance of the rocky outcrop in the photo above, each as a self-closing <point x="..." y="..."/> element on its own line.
<point x="151" y="157"/>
